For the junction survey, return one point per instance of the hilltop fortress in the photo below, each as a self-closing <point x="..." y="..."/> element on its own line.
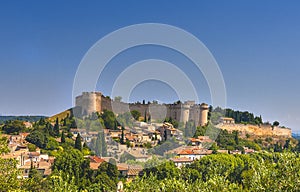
<point x="90" y="102"/>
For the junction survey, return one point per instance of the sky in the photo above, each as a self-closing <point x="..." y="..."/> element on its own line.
<point x="255" y="43"/>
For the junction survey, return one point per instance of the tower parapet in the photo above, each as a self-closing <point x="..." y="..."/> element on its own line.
<point x="89" y="102"/>
<point x="203" y="114"/>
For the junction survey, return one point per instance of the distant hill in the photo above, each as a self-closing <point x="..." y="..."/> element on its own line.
<point x="64" y="114"/>
<point x="21" y="118"/>
<point x="296" y="135"/>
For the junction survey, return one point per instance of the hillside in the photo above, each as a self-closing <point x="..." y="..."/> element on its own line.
<point x="61" y="115"/>
<point x="21" y="118"/>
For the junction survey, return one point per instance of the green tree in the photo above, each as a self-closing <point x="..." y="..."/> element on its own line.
<point x="13" y="127"/>
<point x="61" y="182"/>
<point x="109" y="119"/>
<point x="78" y="142"/>
<point x="135" y="114"/>
<point x="3" y="144"/>
<point x="9" y="173"/>
<point x="63" y="137"/>
<point x="145" y="116"/>
<point x="70" y="162"/>
<point x="122" y="136"/>
<point x="275" y="123"/>
<point x="38" y="138"/>
<point x="112" y="170"/>
<point x="56" y="128"/>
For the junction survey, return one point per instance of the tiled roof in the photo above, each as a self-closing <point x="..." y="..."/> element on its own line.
<point x="96" y="159"/>
<point x="181" y="160"/>
<point x="94" y="166"/>
<point x="134" y="170"/>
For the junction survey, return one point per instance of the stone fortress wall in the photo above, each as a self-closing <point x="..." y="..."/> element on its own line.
<point x="258" y="130"/>
<point x="90" y="102"/>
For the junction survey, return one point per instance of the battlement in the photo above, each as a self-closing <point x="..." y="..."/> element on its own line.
<point x="90" y="102"/>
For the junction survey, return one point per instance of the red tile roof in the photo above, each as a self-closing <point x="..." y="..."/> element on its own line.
<point x="96" y="159"/>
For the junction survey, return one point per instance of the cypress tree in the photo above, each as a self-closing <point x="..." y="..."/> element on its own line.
<point x="122" y="136"/>
<point x="104" y="147"/>
<point x="98" y="145"/>
<point x="56" y="128"/>
<point x="78" y="142"/>
<point x="63" y="137"/>
<point x="145" y="116"/>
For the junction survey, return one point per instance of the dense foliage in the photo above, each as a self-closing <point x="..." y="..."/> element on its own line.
<point x="223" y="172"/>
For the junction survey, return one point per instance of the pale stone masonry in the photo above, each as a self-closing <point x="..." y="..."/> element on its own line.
<point x="90" y="102"/>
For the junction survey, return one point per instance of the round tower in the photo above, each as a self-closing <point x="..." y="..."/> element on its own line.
<point x="185" y="113"/>
<point x="89" y="102"/>
<point x="203" y="114"/>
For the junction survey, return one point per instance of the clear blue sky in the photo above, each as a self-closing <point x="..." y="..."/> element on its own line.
<point x="256" y="44"/>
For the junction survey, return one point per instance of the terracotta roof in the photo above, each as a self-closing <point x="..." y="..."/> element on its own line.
<point x="129" y="138"/>
<point x="195" y="152"/>
<point x="122" y="167"/>
<point x="24" y="134"/>
<point x="94" y="166"/>
<point x="227" y="118"/>
<point x="134" y="170"/>
<point x="181" y="159"/>
<point x="96" y="159"/>
<point x="185" y="152"/>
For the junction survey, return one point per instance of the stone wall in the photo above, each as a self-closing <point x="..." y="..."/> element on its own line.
<point x="95" y="102"/>
<point x="263" y="130"/>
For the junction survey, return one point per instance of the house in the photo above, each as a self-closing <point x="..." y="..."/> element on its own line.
<point x="200" y="141"/>
<point x="181" y="161"/>
<point x="134" y="171"/>
<point x="226" y="120"/>
<point x="248" y="151"/>
<point x="120" y="186"/>
<point x="95" y="162"/>
<point x="123" y="169"/>
<point x="43" y="167"/>
<point x="27" y="124"/>
<point x="195" y="153"/>
<point x="235" y="152"/>
<point x="80" y="131"/>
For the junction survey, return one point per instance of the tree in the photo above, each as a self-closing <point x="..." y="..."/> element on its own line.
<point x="9" y="173"/>
<point x="135" y="114"/>
<point x="78" y="142"/>
<point x="118" y="99"/>
<point x="109" y="119"/>
<point x="71" y="164"/>
<point x="275" y="123"/>
<point x="145" y="116"/>
<point x="122" y="136"/>
<point x="99" y="146"/>
<point x="38" y="138"/>
<point x="56" y="128"/>
<point x="61" y="182"/>
<point x="3" y="144"/>
<point x="112" y="170"/>
<point x="236" y="137"/>
<point x="13" y="127"/>
<point x="63" y="137"/>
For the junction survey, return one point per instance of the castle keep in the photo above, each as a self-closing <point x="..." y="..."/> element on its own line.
<point x="90" y="102"/>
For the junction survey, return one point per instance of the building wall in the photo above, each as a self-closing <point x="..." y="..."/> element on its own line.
<point x="96" y="102"/>
<point x="264" y="130"/>
<point x="89" y="102"/>
<point x="203" y="114"/>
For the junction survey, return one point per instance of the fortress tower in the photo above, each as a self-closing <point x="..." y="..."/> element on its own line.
<point x="203" y="114"/>
<point x="89" y="102"/>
